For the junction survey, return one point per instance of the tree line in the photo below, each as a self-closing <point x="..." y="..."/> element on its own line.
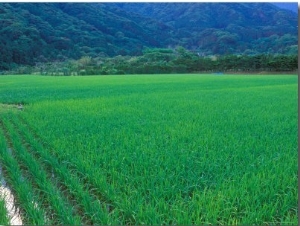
<point x="163" y="61"/>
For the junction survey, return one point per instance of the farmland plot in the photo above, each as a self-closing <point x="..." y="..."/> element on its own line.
<point x="160" y="149"/>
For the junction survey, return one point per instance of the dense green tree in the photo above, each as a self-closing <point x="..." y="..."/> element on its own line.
<point x="60" y="31"/>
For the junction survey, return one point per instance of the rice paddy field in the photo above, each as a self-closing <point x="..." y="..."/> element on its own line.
<point x="151" y="149"/>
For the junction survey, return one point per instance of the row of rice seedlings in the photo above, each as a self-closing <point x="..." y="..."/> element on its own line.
<point x="130" y="206"/>
<point x="6" y="195"/>
<point x="102" y="188"/>
<point x="107" y="185"/>
<point x="22" y="188"/>
<point x="53" y="200"/>
<point x="4" y="219"/>
<point x="99" y="184"/>
<point x="96" y="211"/>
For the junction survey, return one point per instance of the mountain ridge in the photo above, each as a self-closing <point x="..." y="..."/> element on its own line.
<point x="41" y="32"/>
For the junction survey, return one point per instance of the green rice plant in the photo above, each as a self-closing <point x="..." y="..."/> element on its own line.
<point x="94" y="210"/>
<point x="166" y="149"/>
<point x="53" y="200"/>
<point x="22" y="189"/>
<point x="4" y="219"/>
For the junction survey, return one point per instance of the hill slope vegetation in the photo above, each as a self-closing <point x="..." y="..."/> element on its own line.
<point x="43" y="32"/>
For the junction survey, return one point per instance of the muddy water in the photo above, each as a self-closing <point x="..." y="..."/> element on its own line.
<point x="9" y="199"/>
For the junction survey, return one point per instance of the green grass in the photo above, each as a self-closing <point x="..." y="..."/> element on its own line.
<point x="159" y="149"/>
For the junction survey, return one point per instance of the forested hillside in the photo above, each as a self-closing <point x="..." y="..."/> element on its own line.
<point x="32" y="33"/>
<point x="43" y="32"/>
<point x="225" y="28"/>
